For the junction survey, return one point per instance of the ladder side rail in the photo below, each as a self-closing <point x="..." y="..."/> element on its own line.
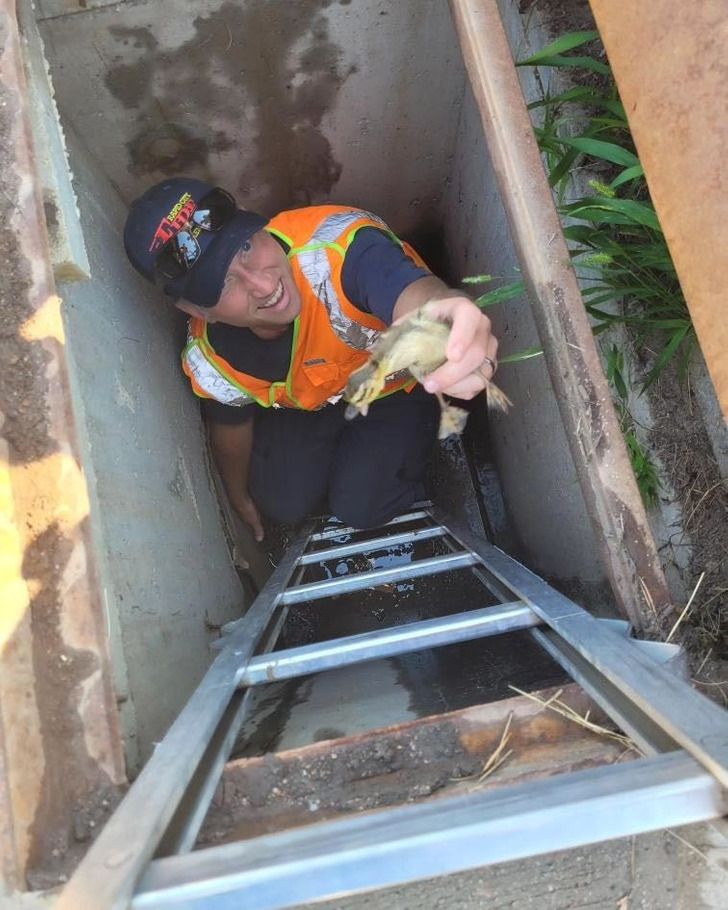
<point x="182" y="831"/>
<point x="501" y="592"/>
<point x="375" y="543"/>
<point x="648" y="736"/>
<point x="450" y="834"/>
<point x="106" y="876"/>
<point x="359" y="581"/>
<point x="691" y="719"/>
<point x="187" y="821"/>
<point x="390" y="642"/>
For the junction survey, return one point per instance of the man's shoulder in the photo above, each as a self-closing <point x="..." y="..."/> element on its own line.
<point x="315" y="215"/>
<point x="323" y="210"/>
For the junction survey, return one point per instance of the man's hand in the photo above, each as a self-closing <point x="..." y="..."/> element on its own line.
<point x="249" y="513"/>
<point x="466" y="372"/>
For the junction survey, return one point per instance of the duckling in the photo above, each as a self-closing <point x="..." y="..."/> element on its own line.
<point x="416" y="345"/>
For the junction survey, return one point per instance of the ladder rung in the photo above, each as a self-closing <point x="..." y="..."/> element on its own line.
<point x="449" y="834"/>
<point x="416" y="636"/>
<point x="376" y="543"/>
<point x="361" y="580"/>
<point x="341" y="532"/>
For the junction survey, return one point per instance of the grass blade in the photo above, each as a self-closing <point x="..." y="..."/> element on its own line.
<point x="606" y="151"/>
<point x="519" y="356"/>
<point x="631" y="173"/>
<point x="579" y="93"/>
<point x="585" y="63"/>
<point x="500" y="295"/>
<point x="599" y="209"/>
<point x="565" y="43"/>
<point x="666" y="354"/>
<point x="562" y="168"/>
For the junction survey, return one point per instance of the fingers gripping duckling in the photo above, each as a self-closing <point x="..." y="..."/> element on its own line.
<point x="418" y="345"/>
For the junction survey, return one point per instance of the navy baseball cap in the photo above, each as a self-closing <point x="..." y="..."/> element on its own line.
<point x="184" y="233"/>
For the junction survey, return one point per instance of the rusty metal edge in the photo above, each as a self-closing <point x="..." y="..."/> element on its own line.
<point x="626" y="546"/>
<point x="542" y="743"/>
<point x="91" y="720"/>
<point x="472" y="719"/>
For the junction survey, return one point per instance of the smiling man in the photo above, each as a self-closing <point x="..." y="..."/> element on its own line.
<point x="282" y="311"/>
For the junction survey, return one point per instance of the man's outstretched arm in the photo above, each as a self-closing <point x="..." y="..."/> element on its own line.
<point x="232" y="447"/>
<point x="470" y="341"/>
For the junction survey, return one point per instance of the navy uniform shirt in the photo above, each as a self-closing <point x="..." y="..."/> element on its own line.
<point x="376" y="271"/>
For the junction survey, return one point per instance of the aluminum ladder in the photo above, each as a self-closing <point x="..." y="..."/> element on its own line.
<point x="144" y="856"/>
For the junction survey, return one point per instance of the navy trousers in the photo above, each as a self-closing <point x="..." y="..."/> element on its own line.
<point x="364" y="471"/>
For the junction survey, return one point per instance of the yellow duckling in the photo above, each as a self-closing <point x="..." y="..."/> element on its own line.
<point x="417" y="345"/>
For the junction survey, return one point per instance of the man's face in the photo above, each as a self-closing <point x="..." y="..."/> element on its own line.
<point x="259" y="292"/>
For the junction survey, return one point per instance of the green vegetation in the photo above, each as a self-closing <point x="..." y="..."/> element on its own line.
<point x="616" y="242"/>
<point x="643" y="467"/>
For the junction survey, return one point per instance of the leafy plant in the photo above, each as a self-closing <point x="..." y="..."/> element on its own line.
<point x="616" y="241"/>
<point x="617" y="244"/>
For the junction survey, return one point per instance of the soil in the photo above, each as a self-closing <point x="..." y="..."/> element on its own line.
<point x="680" y="441"/>
<point x="405" y="763"/>
<point x="560" y="16"/>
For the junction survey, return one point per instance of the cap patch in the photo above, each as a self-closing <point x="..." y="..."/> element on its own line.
<point x="173" y="222"/>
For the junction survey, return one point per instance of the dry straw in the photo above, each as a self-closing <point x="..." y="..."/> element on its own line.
<point x="555" y="704"/>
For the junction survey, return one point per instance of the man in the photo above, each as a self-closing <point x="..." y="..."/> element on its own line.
<point x="282" y="311"/>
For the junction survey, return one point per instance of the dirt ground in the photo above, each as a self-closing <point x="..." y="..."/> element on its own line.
<point x="560" y="16"/>
<point x="679" y="440"/>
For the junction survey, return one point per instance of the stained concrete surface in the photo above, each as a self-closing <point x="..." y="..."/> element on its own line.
<point x="283" y="104"/>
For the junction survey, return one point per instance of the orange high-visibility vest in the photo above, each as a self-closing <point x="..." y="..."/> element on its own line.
<point x="331" y="337"/>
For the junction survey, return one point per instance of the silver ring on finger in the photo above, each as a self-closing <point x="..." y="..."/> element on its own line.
<point x="487" y="361"/>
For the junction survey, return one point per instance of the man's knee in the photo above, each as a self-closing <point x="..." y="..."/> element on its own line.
<point x="285" y="513"/>
<point x="364" y="509"/>
<point x="288" y="506"/>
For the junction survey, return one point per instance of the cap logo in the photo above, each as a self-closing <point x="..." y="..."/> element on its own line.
<point x="173" y="222"/>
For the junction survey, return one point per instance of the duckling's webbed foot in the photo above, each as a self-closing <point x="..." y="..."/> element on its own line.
<point x="452" y="419"/>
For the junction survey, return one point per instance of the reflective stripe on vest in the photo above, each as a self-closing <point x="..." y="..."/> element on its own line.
<point x="210" y="380"/>
<point x="316" y="269"/>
